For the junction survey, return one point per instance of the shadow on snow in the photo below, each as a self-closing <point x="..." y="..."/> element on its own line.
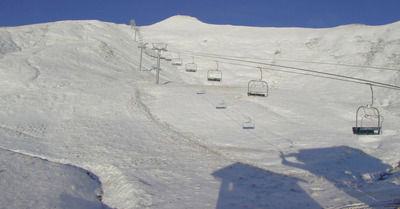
<point x="350" y="170"/>
<point x="245" y="186"/>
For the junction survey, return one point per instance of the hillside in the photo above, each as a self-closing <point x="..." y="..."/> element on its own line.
<point x="72" y="93"/>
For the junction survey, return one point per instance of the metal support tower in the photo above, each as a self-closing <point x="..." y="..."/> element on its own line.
<point x="141" y="46"/>
<point x="159" y="47"/>
<point x="133" y="25"/>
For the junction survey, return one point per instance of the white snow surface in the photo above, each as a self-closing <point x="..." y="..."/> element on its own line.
<point x="72" y="95"/>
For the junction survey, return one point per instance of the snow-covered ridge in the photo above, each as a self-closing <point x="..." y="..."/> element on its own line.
<point x="72" y="93"/>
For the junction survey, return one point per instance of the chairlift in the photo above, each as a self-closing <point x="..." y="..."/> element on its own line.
<point x="257" y="87"/>
<point x="368" y="119"/>
<point x="203" y="91"/>
<point x="162" y="55"/>
<point x="177" y="61"/>
<point x="168" y="57"/>
<point x="221" y="105"/>
<point x="191" y="67"/>
<point x="153" y="54"/>
<point x="214" y="75"/>
<point x="248" y="125"/>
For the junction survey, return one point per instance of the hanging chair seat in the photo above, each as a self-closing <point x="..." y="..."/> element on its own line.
<point x="249" y="124"/>
<point x="367" y="130"/>
<point x="257" y="88"/>
<point x="190" y="67"/>
<point x="221" y="105"/>
<point x="255" y="93"/>
<point x="373" y="118"/>
<point x="177" y="62"/>
<point x="214" y="75"/>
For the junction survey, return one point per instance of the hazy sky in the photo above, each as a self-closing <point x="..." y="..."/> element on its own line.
<point x="264" y="13"/>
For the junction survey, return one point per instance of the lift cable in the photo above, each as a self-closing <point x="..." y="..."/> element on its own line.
<point x="296" y="61"/>
<point x="331" y="75"/>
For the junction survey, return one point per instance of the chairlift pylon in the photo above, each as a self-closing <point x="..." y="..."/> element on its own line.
<point x="258" y="87"/>
<point x="214" y="75"/>
<point x="191" y="67"/>
<point x="370" y="115"/>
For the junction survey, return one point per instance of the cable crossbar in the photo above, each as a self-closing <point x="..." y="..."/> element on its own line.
<point x="313" y="72"/>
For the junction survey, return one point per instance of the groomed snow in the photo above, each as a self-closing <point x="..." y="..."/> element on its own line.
<point x="72" y="93"/>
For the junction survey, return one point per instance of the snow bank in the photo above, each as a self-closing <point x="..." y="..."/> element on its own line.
<point x="37" y="183"/>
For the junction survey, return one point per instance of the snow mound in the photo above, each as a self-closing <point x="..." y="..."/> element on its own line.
<point x="179" y="20"/>
<point x="38" y="183"/>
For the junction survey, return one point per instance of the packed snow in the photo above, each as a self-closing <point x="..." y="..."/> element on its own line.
<point x="82" y="126"/>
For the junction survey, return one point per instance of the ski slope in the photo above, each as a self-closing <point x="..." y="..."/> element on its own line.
<point x="72" y="93"/>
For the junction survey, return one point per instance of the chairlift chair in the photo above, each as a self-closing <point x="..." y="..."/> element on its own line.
<point x="177" y="61"/>
<point x="203" y="91"/>
<point x="257" y="87"/>
<point x="368" y="119"/>
<point x="162" y="55"/>
<point x="248" y="125"/>
<point x="221" y="105"/>
<point x="214" y="75"/>
<point x="153" y="54"/>
<point x="168" y="57"/>
<point x="191" y="67"/>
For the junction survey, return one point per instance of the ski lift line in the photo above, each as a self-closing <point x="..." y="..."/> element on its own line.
<point x="296" y="61"/>
<point x="350" y="79"/>
<point x="364" y="81"/>
<point x="212" y="95"/>
<point x="361" y="81"/>
<point x="309" y="74"/>
<point x="232" y="110"/>
<point x="235" y="111"/>
<point x="251" y="131"/>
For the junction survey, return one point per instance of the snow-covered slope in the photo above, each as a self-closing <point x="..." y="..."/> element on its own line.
<point x="72" y="93"/>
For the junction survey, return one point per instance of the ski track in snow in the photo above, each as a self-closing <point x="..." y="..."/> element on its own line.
<point x="73" y="95"/>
